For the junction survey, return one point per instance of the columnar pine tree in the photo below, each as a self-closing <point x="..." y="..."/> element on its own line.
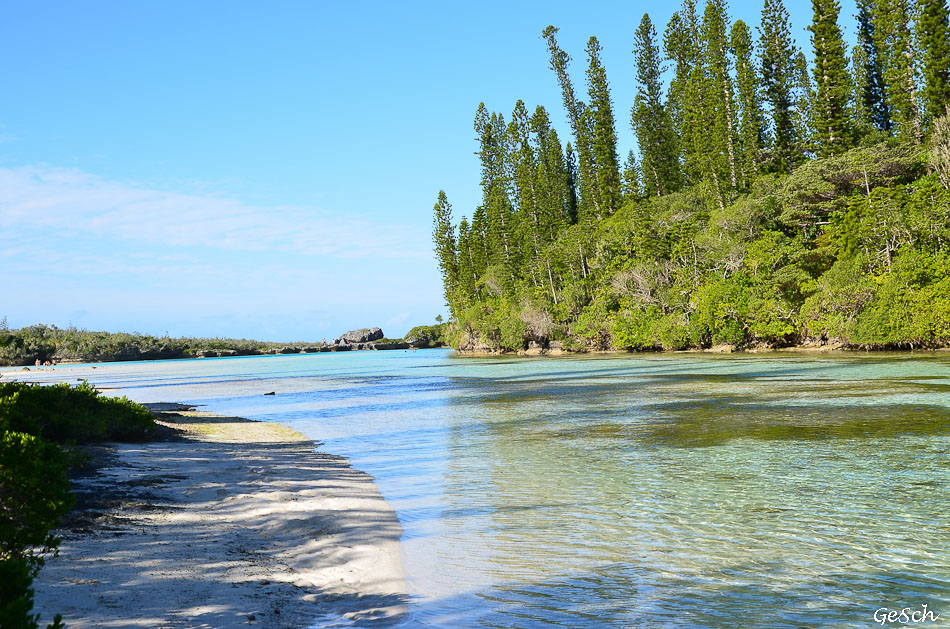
<point x="468" y="269"/>
<point x="830" y="116"/>
<point x="685" y="100"/>
<point x="869" y="75"/>
<point x="478" y="240"/>
<point x="604" y="136"/>
<point x="563" y="208"/>
<point x="443" y="235"/>
<point x="552" y="176"/>
<point x="570" y="161"/>
<point x="933" y="36"/>
<point x="804" y="108"/>
<point x="894" y="40"/>
<point x="780" y="82"/>
<point x="575" y="108"/>
<point x="751" y="126"/>
<point x="524" y="180"/>
<point x="719" y="114"/>
<point x="650" y="120"/>
<point x="499" y="217"/>
<point x="860" y="112"/>
<point x="678" y="48"/>
<point x="631" y="179"/>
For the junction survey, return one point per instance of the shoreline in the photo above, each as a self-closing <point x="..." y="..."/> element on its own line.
<point x="716" y="349"/>
<point x="535" y="349"/>
<point x="224" y="522"/>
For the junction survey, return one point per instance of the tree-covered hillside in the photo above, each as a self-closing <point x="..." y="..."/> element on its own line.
<point x="770" y="202"/>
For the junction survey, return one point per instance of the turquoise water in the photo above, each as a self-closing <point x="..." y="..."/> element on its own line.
<point x="658" y="490"/>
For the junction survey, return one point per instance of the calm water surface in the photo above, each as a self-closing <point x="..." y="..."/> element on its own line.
<point x="686" y="490"/>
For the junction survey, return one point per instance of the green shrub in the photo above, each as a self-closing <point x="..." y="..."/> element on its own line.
<point x="34" y="495"/>
<point x="842" y="293"/>
<point x="722" y="308"/>
<point x="912" y="306"/>
<point x="634" y="328"/>
<point x="34" y="488"/>
<point x="65" y="413"/>
<point x="426" y="335"/>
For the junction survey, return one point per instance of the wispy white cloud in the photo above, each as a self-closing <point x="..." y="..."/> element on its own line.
<point x="63" y="203"/>
<point x="128" y="256"/>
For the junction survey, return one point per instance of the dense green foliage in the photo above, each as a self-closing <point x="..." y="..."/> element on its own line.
<point x="35" y="423"/>
<point x="770" y="203"/>
<point x="427" y="335"/>
<point x="65" y="413"/>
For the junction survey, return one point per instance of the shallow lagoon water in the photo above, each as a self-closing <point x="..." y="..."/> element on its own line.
<point x="779" y="490"/>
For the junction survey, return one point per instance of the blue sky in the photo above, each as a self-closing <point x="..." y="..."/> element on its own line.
<point x="264" y="170"/>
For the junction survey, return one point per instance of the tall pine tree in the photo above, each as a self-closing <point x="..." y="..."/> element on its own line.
<point x="604" y="138"/>
<point x="552" y="176"/>
<point x="499" y="224"/>
<point x="578" y="119"/>
<point x="780" y="83"/>
<point x="869" y="71"/>
<point x="681" y="41"/>
<point x="631" y="179"/>
<point x="443" y="235"/>
<point x="719" y="114"/>
<point x="570" y="162"/>
<point x="751" y="130"/>
<point x="830" y="113"/>
<point x="933" y="36"/>
<point x="524" y="168"/>
<point x="651" y="122"/>
<point x="468" y="269"/>
<point x="894" y="40"/>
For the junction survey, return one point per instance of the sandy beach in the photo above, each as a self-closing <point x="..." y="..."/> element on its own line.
<point x="225" y="523"/>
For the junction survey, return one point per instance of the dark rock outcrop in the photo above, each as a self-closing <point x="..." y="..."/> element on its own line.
<point x="363" y="335"/>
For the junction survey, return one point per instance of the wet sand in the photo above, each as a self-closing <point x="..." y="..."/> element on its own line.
<point x="226" y="523"/>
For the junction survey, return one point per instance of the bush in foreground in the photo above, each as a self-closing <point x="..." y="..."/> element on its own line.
<point x="34" y="489"/>
<point x="79" y="414"/>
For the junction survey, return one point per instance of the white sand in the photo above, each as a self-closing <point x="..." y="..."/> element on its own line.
<point x="241" y="524"/>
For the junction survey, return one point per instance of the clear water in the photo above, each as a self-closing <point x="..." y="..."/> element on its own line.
<point x="659" y="490"/>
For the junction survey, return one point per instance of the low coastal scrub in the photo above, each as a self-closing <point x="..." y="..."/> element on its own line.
<point x="44" y="343"/>
<point x="38" y="428"/>
<point x="48" y="342"/>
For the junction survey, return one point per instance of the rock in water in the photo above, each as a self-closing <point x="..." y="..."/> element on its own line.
<point x="363" y="335"/>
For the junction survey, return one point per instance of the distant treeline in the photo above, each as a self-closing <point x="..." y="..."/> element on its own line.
<point x="48" y="343"/>
<point x="770" y="202"/>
